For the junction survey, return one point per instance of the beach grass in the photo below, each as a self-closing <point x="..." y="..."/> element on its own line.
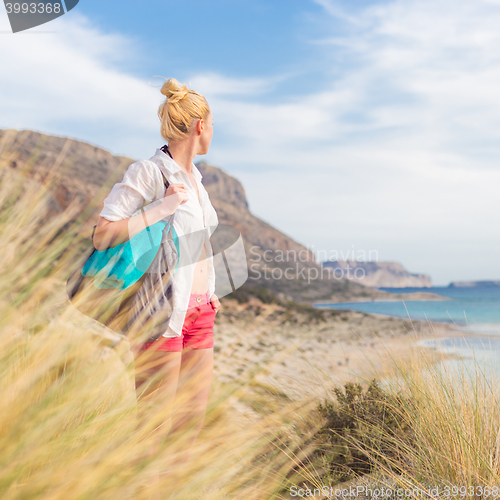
<point x="69" y="409"/>
<point x="430" y="429"/>
<point x="454" y="414"/>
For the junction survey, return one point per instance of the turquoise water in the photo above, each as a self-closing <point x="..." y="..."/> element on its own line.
<point x="471" y="308"/>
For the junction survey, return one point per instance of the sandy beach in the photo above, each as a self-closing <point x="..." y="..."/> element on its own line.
<point x="300" y="352"/>
<point x="303" y="356"/>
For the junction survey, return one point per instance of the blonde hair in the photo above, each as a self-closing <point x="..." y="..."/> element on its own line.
<point x="181" y="108"/>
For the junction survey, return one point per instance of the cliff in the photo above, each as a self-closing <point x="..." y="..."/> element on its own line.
<point x="378" y="274"/>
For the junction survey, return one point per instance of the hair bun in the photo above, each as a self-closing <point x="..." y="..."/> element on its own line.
<point x="174" y="91"/>
<point x="181" y="108"/>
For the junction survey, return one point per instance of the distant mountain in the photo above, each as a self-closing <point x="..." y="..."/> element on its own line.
<point x="378" y="274"/>
<point x="467" y="284"/>
<point x="83" y="173"/>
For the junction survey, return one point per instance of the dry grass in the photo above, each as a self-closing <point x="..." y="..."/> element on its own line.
<point x="68" y="422"/>
<point x="453" y="411"/>
<point x="455" y="414"/>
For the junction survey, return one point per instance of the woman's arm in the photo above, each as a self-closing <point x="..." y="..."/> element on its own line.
<point x="111" y="233"/>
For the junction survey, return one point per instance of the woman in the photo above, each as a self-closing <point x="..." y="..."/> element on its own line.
<point x="175" y="371"/>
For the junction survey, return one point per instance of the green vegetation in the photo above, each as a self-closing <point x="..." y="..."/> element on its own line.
<point x="357" y="424"/>
<point x="431" y="427"/>
<point x="299" y="312"/>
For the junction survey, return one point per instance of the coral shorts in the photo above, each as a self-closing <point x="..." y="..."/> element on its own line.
<point x="197" y="331"/>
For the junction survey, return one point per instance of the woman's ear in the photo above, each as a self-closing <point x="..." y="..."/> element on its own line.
<point x="200" y="125"/>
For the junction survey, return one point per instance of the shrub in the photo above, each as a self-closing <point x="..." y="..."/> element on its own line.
<point x="361" y="430"/>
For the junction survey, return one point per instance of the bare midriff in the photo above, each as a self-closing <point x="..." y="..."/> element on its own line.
<point x="200" y="276"/>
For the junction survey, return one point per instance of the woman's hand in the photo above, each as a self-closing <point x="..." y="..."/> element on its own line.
<point x="176" y="195"/>
<point x="215" y="302"/>
<point x="111" y="233"/>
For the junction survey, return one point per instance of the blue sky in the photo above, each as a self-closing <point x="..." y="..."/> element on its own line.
<point x="353" y="126"/>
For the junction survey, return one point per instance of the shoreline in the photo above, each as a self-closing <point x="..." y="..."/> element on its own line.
<point x="392" y="297"/>
<point x="303" y="359"/>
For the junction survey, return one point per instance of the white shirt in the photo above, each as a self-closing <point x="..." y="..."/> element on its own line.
<point x="143" y="183"/>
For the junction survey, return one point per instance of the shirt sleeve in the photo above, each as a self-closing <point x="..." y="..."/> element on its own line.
<point x="137" y="187"/>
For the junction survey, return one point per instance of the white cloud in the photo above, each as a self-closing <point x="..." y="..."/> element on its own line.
<point x="214" y="85"/>
<point x="400" y="149"/>
<point x="69" y="82"/>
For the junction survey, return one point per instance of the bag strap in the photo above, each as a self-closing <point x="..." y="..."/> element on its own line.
<point x="165" y="179"/>
<point x="165" y="149"/>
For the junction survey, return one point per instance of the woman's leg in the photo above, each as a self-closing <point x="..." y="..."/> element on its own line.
<point x="156" y="379"/>
<point x="191" y="398"/>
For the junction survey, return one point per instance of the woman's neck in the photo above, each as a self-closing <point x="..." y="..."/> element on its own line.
<point x="183" y="154"/>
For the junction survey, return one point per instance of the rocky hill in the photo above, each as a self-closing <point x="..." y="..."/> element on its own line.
<point x="81" y="173"/>
<point x="378" y="274"/>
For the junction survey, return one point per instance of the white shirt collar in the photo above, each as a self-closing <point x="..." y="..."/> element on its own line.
<point x="171" y="167"/>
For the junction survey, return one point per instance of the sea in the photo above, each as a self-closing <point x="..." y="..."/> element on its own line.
<point x="474" y="311"/>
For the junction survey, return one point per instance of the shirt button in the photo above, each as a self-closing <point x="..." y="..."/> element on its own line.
<point x="198" y="299"/>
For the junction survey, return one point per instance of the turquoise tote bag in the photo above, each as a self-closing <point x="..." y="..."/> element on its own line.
<point x="108" y="281"/>
<point x="123" y="265"/>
